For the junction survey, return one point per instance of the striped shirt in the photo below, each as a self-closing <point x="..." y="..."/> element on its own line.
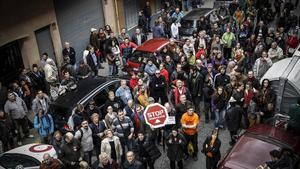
<point x="127" y="125"/>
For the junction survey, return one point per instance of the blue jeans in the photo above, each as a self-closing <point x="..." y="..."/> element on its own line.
<point x="112" y="69"/>
<point x="219" y="117"/>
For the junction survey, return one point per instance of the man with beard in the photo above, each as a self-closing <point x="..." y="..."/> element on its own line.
<point x="41" y="102"/>
<point x="50" y="162"/>
<point x="84" y="135"/>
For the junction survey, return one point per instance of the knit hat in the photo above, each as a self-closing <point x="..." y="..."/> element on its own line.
<point x="93" y="29"/>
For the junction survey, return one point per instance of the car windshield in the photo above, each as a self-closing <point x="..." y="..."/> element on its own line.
<point x="187" y="23"/>
<point x="138" y="56"/>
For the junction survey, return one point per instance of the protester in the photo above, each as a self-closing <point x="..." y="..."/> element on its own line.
<point x="131" y="162"/>
<point x="71" y="152"/>
<point x="50" y="162"/>
<point x="18" y="111"/>
<point x="211" y="149"/>
<point x="111" y="145"/>
<point x="189" y="122"/>
<point x="176" y="148"/>
<point x="43" y="122"/>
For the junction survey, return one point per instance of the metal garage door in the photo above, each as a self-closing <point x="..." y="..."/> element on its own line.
<point x="131" y="13"/>
<point x="44" y="41"/>
<point x="75" y="19"/>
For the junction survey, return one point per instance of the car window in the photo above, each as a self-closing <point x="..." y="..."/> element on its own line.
<point x="101" y="97"/>
<point x="187" y="23"/>
<point x="10" y="161"/>
<point x="138" y="56"/>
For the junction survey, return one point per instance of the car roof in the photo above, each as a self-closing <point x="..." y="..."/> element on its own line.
<point x="84" y="87"/>
<point x="277" y="134"/>
<point x="153" y="45"/>
<point x="253" y="148"/>
<point x="196" y="13"/>
<point x="249" y="152"/>
<point x="34" y="150"/>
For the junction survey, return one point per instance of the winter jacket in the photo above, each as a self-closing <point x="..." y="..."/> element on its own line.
<point x="233" y="118"/>
<point x="158" y="86"/>
<point x="71" y="53"/>
<point x="16" y="109"/>
<point x="228" y="39"/>
<point x="105" y="147"/>
<point x="135" y="165"/>
<point x="44" y="124"/>
<point x="221" y="80"/>
<point x="261" y="66"/>
<point x="176" y="148"/>
<point x="145" y="151"/>
<point x="86" y="138"/>
<point x="71" y="152"/>
<point x="111" y="165"/>
<point x="54" y="164"/>
<point x="215" y="149"/>
<point x="40" y="104"/>
<point x="195" y="84"/>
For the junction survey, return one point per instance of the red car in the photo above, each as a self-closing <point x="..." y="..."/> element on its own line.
<point x="146" y="50"/>
<point x="253" y="147"/>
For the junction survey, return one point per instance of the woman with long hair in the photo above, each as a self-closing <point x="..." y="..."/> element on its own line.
<point x="211" y="149"/>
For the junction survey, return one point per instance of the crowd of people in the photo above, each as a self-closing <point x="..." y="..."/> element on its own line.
<point x="215" y="74"/>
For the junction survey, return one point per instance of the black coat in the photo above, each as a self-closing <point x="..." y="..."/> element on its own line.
<point x="196" y="87"/>
<point x="71" y="152"/>
<point x="145" y="151"/>
<point x="134" y="38"/>
<point x="71" y="53"/>
<point x="135" y="165"/>
<point x="91" y="63"/>
<point x="158" y="86"/>
<point x="215" y="149"/>
<point x="221" y="80"/>
<point x="175" y="150"/>
<point x="233" y="118"/>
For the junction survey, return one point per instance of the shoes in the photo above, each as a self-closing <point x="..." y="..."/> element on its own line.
<point x="195" y="158"/>
<point x="19" y="143"/>
<point x="101" y="67"/>
<point x="30" y="136"/>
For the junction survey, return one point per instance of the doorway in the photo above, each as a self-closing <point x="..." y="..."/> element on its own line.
<point x="44" y="41"/>
<point x="11" y="62"/>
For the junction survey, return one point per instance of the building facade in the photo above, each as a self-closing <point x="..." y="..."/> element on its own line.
<point x="30" y="28"/>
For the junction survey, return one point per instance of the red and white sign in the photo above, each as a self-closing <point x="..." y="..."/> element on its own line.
<point x="156" y="115"/>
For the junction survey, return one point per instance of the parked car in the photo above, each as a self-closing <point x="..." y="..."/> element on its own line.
<point x="189" y="22"/>
<point x="145" y="51"/>
<point x="253" y="147"/>
<point x="27" y="156"/>
<point x="88" y="89"/>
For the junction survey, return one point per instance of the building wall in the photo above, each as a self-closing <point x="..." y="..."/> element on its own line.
<point x="19" y="20"/>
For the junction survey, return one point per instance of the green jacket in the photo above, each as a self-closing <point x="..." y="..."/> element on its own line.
<point x="227" y="39"/>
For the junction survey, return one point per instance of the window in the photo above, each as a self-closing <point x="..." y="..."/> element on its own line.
<point x="13" y="160"/>
<point x="131" y="13"/>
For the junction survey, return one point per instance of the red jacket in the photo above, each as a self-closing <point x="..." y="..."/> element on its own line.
<point x="165" y="73"/>
<point x="133" y="82"/>
<point x="200" y="52"/>
<point x="131" y="45"/>
<point x="248" y="97"/>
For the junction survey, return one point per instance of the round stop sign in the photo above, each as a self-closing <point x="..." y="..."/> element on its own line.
<point x="156" y="115"/>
